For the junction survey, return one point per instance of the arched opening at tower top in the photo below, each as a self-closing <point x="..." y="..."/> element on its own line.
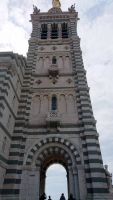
<point x="56" y="182"/>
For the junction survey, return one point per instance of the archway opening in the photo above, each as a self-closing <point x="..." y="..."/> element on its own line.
<point x="56" y="182"/>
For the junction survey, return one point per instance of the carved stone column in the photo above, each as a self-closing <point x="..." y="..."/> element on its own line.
<point x="42" y="183"/>
<point x="66" y="98"/>
<point x="59" y="31"/>
<point x="82" y="181"/>
<point x="71" y="181"/>
<point x="48" y="31"/>
<point x="49" y="103"/>
<point x="58" y="99"/>
<point x="63" y="61"/>
<point x="75" y="103"/>
<point x="76" y="184"/>
<point x="51" y="60"/>
<point x="41" y="104"/>
<point x="68" y="183"/>
<point x="44" y="62"/>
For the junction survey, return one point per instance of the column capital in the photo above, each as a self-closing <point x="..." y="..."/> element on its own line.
<point x="75" y="171"/>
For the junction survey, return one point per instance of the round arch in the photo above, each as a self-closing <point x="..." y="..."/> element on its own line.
<point x="54" y="161"/>
<point x="54" y="140"/>
<point x="53" y="150"/>
<point x="45" y="153"/>
<point x="50" y="155"/>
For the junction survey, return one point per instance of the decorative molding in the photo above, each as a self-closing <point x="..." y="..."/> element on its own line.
<point x="38" y="82"/>
<point x="42" y="48"/>
<point x="54" y="47"/>
<point x="66" y="47"/>
<point x="69" y="81"/>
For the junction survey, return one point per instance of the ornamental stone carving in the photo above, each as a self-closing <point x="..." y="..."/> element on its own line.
<point x="72" y="9"/>
<point x="36" y="10"/>
<point x="108" y="178"/>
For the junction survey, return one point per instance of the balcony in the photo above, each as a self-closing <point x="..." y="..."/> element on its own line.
<point x="53" y="120"/>
<point x="53" y="71"/>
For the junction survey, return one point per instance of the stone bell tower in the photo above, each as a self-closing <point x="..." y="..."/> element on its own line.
<point x="55" y="122"/>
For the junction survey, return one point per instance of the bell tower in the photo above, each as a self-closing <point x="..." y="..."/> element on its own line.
<point x="55" y="122"/>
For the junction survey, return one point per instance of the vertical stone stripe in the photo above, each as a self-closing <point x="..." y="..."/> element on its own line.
<point x="12" y="180"/>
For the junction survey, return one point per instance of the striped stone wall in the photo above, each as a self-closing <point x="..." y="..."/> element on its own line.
<point x="95" y="175"/>
<point x="12" y="68"/>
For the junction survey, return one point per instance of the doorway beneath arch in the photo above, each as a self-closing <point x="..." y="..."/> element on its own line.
<point x="56" y="182"/>
<point x="41" y="157"/>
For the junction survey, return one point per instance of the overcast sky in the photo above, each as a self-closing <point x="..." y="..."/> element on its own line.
<point x="95" y="29"/>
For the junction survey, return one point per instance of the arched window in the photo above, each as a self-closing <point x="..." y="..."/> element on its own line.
<point x="54" y="103"/>
<point x="54" y="31"/>
<point x="44" y="31"/>
<point x="64" y="30"/>
<point x="54" y="60"/>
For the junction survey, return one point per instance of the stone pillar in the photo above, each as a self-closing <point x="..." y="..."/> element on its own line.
<point x="41" y="104"/>
<point x="49" y="103"/>
<point x="68" y="183"/>
<point x="44" y="62"/>
<point x="48" y="31"/>
<point x="76" y="183"/>
<point x="63" y="61"/>
<point x="51" y="60"/>
<point x="66" y="98"/>
<point x="59" y="31"/>
<point x="24" y="187"/>
<point x="71" y="181"/>
<point x="34" y="184"/>
<point x="58" y="99"/>
<point x="42" y="183"/>
<point x="75" y="103"/>
<point x="82" y="181"/>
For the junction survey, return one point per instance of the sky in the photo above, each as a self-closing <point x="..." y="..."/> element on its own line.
<point x="95" y="29"/>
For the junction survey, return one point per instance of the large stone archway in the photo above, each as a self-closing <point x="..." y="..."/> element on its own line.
<point x="49" y="140"/>
<point x="40" y="157"/>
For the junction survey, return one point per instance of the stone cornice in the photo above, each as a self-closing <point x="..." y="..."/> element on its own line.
<point x="47" y="15"/>
<point x="54" y="41"/>
<point x="46" y="75"/>
<point x="54" y="90"/>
